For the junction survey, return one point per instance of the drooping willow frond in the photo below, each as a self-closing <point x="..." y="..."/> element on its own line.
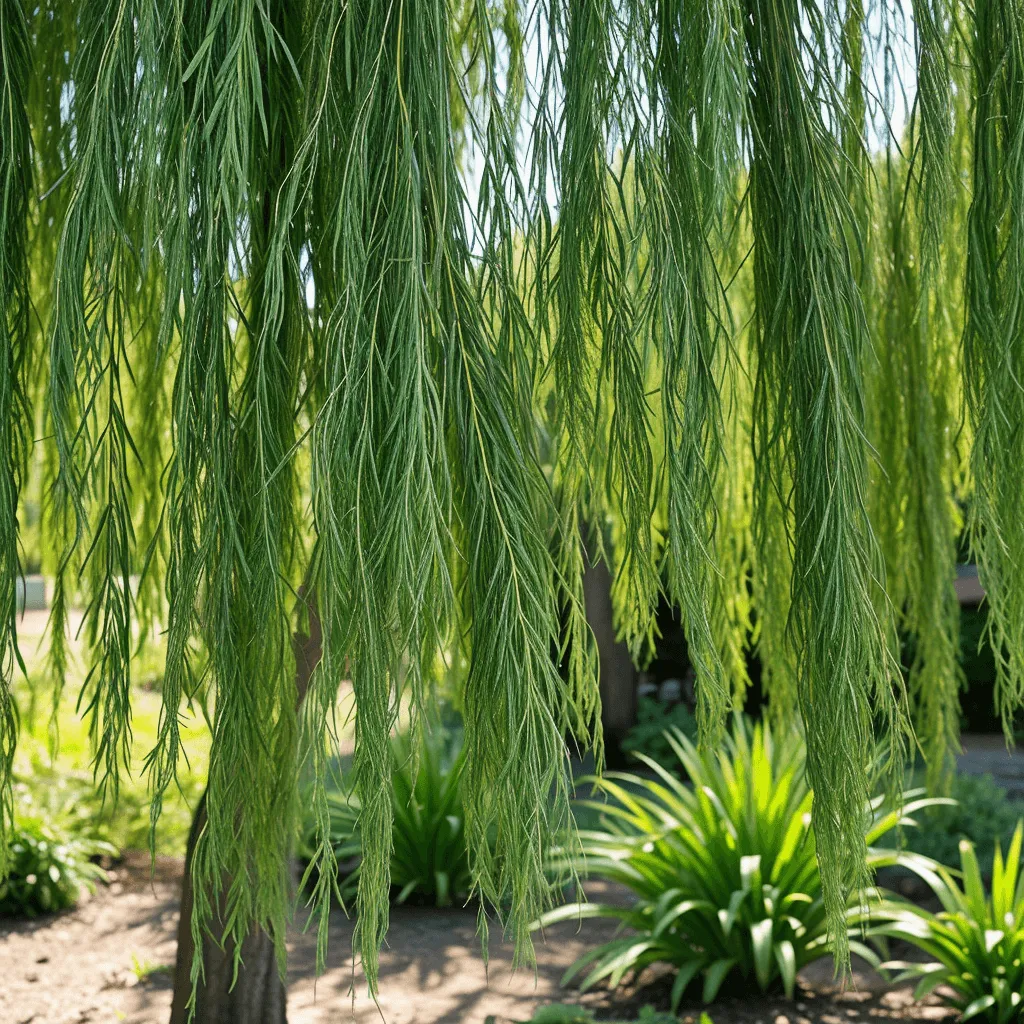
<point x="933" y="122"/>
<point x="809" y="423"/>
<point x="994" y="335"/>
<point x="383" y="490"/>
<point x="232" y="421"/>
<point x="89" y="328"/>
<point x="405" y="307"/>
<point x="697" y="77"/>
<point x="732" y="618"/>
<point x="915" y="403"/>
<point x="600" y="355"/>
<point x="915" y="391"/>
<point x="761" y="541"/>
<point x="933" y="399"/>
<point x="15" y="422"/>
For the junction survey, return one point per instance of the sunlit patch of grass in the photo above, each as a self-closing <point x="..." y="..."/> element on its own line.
<point x="53" y="765"/>
<point x="145" y="969"/>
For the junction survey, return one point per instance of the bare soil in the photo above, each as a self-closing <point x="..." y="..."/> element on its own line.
<point x="110" y="960"/>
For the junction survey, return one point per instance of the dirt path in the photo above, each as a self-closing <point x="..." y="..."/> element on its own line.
<point x="83" y="966"/>
<point x="101" y="964"/>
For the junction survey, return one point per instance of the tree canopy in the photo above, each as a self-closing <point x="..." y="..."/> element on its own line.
<point x="398" y="310"/>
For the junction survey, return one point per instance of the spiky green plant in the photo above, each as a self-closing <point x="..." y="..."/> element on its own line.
<point x="429" y="855"/>
<point x="976" y="942"/>
<point x="724" y="869"/>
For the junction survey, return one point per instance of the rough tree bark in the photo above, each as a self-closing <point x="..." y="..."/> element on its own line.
<point x="258" y="994"/>
<point x="618" y="675"/>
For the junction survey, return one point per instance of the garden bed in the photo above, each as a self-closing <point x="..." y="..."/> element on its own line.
<point x="819" y="1000"/>
<point x="111" y="959"/>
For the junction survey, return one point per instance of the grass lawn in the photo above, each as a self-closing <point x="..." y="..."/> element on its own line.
<point x="63" y="786"/>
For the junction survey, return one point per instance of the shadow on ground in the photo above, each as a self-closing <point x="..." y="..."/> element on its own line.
<point x="110" y="960"/>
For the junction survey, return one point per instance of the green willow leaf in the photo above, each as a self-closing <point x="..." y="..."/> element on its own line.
<point x="811" y="450"/>
<point x="15" y="302"/>
<point x="391" y="315"/>
<point x="994" y="333"/>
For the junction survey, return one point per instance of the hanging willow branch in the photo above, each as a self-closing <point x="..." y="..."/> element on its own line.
<point x="994" y="336"/>
<point x="15" y="189"/>
<point x="600" y="356"/>
<point x="932" y="608"/>
<point x="415" y="302"/>
<point x="933" y="122"/>
<point x="914" y="423"/>
<point x="696" y="79"/>
<point x="809" y="401"/>
<point x="94" y="274"/>
<point x="915" y="406"/>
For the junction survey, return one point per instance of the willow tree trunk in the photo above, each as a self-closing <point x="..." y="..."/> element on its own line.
<point x="257" y="994"/>
<point x="618" y="674"/>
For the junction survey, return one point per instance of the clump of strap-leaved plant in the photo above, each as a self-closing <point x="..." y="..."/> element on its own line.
<point x="410" y="308"/>
<point x="974" y="944"/>
<point x="429" y="856"/>
<point x="723" y="867"/>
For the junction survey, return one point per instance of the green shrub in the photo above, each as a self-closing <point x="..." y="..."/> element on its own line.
<point x="48" y="870"/>
<point x="724" y="871"/>
<point x="429" y="862"/>
<point x="67" y="798"/>
<point x="982" y="814"/>
<point x="649" y="738"/>
<point x="976" y="942"/>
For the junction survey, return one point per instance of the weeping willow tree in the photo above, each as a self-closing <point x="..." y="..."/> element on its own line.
<point x="370" y="319"/>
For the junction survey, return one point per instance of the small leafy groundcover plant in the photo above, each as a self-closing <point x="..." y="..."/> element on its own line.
<point x="976" y="942"/>
<point x="429" y="860"/>
<point x="48" y="870"/>
<point x="724" y="868"/>
<point x="68" y="801"/>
